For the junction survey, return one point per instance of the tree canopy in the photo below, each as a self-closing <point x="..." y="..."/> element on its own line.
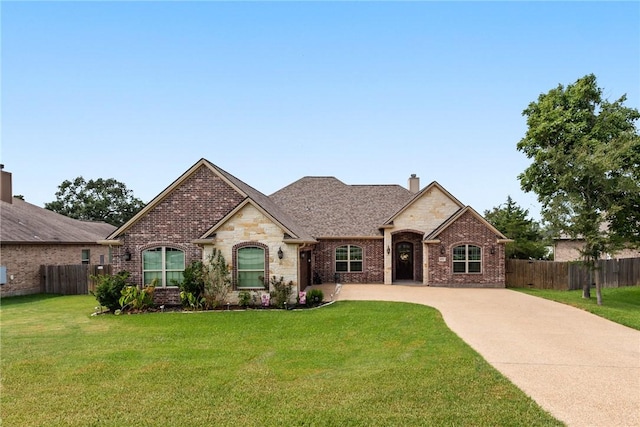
<point x="105" y="200"/>
<point x="514" y="223"/>
<point x="586" y="154"/>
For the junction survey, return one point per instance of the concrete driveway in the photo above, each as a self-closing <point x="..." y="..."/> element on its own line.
<point x="583" y="369"/>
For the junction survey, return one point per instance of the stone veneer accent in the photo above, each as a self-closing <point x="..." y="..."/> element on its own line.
<point x="250" y="227"/>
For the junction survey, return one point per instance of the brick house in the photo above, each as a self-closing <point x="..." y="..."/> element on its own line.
<point x="317" y="229"/>
<point x="31" y="236"/>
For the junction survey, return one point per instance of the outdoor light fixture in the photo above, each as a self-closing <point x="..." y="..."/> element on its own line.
<point x="492" y="250"/>
<point x="280" y="253"/>
<point x="127" y="255"/>
<point x="388" y="250"/>
<point x="442" y="249"/>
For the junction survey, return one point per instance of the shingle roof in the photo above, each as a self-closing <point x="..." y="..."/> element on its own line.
<point x="22" y="222"/>
<point x="327" y="207"/>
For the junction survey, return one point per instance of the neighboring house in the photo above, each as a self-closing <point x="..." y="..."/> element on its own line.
<point x="568" y="249"/>
<point x="316" y="229"/>
<point x="31" y="236"/>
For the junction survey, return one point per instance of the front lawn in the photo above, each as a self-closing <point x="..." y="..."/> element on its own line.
<point x="620" y="305"/>
<point x="348" y="364"/>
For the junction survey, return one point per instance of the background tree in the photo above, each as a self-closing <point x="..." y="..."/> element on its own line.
<point x="584" y="171"/>
<point x="105" y="200"/>
<point x="513" y="222"/>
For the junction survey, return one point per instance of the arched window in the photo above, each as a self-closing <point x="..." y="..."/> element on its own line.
<point x="163" y="263"/>
<point x="250" y="267"/>
<point x="467" y="259"/>
<point x="348" y="259"/>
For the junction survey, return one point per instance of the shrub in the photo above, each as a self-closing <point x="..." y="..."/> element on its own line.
<point x="315" y="297"/>
<point x="137" y="299"/>
<point x="244" y="298"/>
<point x="192" y="286"/>
<point x="217" y="280"/>
<point x="189" y="300"/>
<point x="281" y="292"/>
<point x="109" y="289"/>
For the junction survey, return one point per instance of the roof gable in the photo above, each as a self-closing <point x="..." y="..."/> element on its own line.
<point x="468" y="209"/>
<point x="425" y="192"/>
<point x="301" y="237"/>
<point x="243" y="190"/>
<point x="170" y="189"/>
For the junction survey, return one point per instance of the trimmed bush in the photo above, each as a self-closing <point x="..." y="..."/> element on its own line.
<point x="109" y="289"/>
<point x="315" y="297"/>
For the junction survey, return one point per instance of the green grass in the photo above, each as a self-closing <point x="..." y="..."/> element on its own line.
<point x="348" y="364"/>
<point x="620" y="305"/>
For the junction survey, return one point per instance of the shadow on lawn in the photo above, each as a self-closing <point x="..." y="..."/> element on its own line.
<point x="26" y="299"/>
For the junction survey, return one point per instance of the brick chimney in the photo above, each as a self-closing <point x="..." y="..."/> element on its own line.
<point x="6" y="189"/>
<point x="414" y="183"/>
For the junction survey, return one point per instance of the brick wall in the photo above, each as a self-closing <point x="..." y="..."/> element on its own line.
<point x="24" y="261"/>
<point x="181" y="217"/>
<point x="467" y="230"/>
<point x="323" y="261"/>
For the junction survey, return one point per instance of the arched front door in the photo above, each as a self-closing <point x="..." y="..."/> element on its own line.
<point x="404" y="261"/>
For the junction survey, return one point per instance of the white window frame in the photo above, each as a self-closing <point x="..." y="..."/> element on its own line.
<point x="349" y="261"/>
<point x="466" y="261"/>
<point x="163" y="269"/>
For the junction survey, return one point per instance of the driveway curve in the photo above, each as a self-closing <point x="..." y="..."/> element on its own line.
<point x="583" y="369"/>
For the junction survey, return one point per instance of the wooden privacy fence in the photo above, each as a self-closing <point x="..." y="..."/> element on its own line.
<point x="611" y="273"/>
<point x="70" y="279"/>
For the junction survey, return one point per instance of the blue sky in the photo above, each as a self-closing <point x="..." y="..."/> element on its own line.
<point x="368" y="92"/>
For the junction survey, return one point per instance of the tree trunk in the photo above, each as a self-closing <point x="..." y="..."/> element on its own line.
<point x="586" y="290"/>
<point x="586" y="287"/>
<point x="598" y="288"/>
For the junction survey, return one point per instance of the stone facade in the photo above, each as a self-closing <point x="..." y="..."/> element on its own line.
<point x="423" y="216"/>
<point x="250" y="227"/>
<point x="23" y="263"/>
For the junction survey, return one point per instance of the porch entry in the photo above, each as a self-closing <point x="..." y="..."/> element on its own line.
<point x="404" y="261"/>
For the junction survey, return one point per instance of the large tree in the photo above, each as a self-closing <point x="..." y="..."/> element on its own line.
<point x="514" y="222"/>
<point x="585" y="166"/>
<point x="105" y="200"/>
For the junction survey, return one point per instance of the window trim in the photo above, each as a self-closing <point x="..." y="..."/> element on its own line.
<point x="348" y="261"/>
<point x="466" y="261"/>
<point x="163" y="270"/>
<point x="243" y="245"/>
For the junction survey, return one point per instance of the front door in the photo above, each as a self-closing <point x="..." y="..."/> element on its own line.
<point x="404" y="261"/>
<point x="305" y="269"/>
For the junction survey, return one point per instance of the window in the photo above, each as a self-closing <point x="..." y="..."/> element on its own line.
<point x="250" y="269"/>
<point x="163" y="263"/>
<point x="86" y="256"/>
<point x="467" y="259"/>
<point x="348" y="259"/>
